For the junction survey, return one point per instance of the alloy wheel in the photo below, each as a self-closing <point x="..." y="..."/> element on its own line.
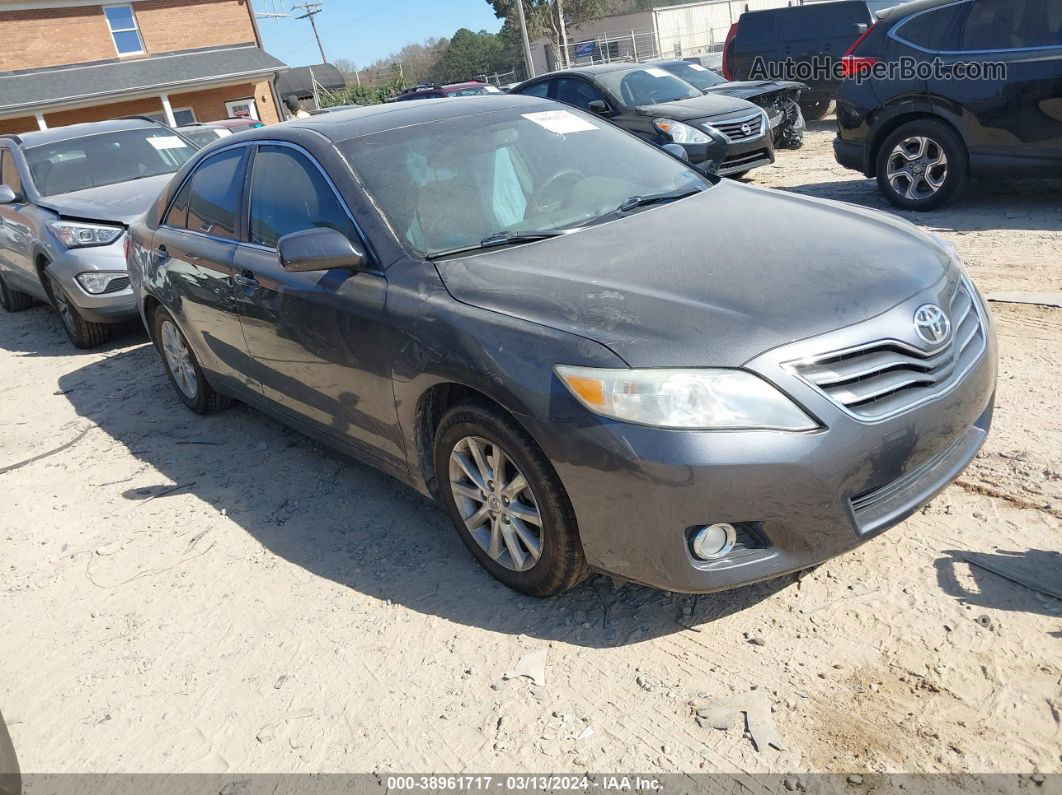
<point x="496" y="503"/>
<point x="179" y="360"/>
<point x="62" y="306"/>
<point x="917" y="168"/>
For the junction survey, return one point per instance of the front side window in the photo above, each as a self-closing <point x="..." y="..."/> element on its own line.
<point x="572" y="91"/>
<point x="124" y="31"/>
<point x="289" y="194"/>
<point x="695" y="74"/>
<point x="214" y="194"/>
<point x="455" y="182"/>
<point x="1012" y="25"/>
<point x="648" y="86"/>
<point x="9" y="172"/>
<point x="177" y="217"/>
<point x="537" y="89"/>
<point x="106" y="159"/>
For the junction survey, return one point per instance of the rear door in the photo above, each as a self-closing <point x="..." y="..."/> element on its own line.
<point x="194" y="248"/>
<point x="320" y="341"/>
<point x="1011" y="113"/>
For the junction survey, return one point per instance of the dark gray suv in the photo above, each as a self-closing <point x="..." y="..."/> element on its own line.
<point x="66" y="196"/>
<point x="576" y="342"/>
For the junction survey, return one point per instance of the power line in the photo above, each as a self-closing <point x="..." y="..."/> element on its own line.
<point x="311" y="10"/>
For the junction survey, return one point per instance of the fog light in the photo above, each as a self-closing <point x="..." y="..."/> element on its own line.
<point x="714" y="541"/>
<point x="97" y="282"/>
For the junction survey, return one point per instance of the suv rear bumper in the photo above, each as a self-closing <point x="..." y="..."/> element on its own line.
<point x="850" y="154"/>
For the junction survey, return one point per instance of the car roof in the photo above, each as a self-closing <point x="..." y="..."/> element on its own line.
<point x="72" y="131"/>
<point x="356" y="122"/>
<point x="904" y="9"/>
<point x="799" y="9"/>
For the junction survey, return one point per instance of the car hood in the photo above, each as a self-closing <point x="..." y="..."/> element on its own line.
<point x="121" y="203"/>
<point x="744" y="89"/>
<point x="696" y="108"/>
<point x="699" y="283"/>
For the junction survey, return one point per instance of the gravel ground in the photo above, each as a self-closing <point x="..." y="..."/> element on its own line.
<point x="215" y="595"/>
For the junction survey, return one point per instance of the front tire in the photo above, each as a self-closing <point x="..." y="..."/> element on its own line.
<point x="13" y="300"/>
<point x="80" y="331"/>
<point x="815" y="109"/>
<point x="922" y="165"/>
<point x="183" y="368"/>
<point x="506" y="501"/>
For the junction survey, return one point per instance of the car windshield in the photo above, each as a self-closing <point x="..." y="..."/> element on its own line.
<point x="201" y="136"/>
<point x="105" y="159"/>
<point x="647" y="86"/>
<point x="695" y="74"/>
<point x="454" y="183"/>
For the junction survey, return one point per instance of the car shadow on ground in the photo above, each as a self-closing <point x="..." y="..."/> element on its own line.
<point x="347" y="522"/>
<point x="38" y="331"/>
<point x="1006" y="580"/>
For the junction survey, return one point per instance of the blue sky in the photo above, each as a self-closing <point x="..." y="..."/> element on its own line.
<point x="365" y="30"/>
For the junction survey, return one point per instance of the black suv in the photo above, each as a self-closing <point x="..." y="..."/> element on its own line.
<point x="785" y="41"/>
<point x="924" y="137"/>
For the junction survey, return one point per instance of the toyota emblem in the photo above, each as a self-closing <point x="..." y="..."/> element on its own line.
<point x="931" y="324"/>
<point x="745" y="128"/>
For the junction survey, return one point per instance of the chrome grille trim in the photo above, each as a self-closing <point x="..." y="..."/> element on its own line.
<point x="886" y="377"/>
<point x="731" y="128"/>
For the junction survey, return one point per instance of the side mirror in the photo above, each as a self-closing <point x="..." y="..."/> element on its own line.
<point x="676" y="150"/>
<point x="861" y="28"/>
<point x="7" y="196"/>
<point x="598" y="106"/>
<point x="318" y="249"/>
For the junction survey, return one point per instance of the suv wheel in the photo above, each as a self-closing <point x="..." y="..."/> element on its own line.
<point x="506" y="501"/>
<point x="815" y="109"/>
<point x="183" y="368"/>
<point x="82" y="333"/>
<point x="13" y="300"/>
<point x="921" y="165"/>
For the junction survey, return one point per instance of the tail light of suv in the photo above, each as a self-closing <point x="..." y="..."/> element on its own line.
<point x="852" y="63"/>
<point x="728" y="52"/>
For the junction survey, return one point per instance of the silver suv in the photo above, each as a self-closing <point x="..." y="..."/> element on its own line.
<point x="66" y="198"/>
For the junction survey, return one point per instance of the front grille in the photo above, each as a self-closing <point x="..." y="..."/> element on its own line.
<point x="886" y="377"/>
<point x="116" y="285"/>
<point x="743" y="162"/>
<point x="873" y="498"/>
<point x="743" y="129"/>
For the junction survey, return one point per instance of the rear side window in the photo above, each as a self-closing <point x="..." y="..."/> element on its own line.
<point x="215" y="190"/>
<point x="930" y="29"/>
<point x="1012" y="25"/>
<point x="841" y="21"/>
<point x="289" y="194"/>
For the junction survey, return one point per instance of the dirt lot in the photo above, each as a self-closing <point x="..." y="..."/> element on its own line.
<point x="181" y="594"/>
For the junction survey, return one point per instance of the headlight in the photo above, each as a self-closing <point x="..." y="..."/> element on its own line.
<point x="96" y="282"/>
<point x="76" y="235"/>
<point x="706" y="399"/>
<point x="681" y="133"/>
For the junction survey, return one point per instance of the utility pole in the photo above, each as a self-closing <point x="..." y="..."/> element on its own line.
<point x="312" y="9"/>
<point x="528" y="63"/>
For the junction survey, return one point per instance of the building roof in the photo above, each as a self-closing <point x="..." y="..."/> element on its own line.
<point x="298" y="82"/>
<point x="72" y="131"/>
<point x="30" y="91"/>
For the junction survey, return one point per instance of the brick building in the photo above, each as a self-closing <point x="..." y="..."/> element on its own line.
<point x="67" y="61"/>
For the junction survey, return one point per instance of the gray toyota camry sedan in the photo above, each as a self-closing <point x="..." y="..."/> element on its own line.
<point x="592" y="355"/>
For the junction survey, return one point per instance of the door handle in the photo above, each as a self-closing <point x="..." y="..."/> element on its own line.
<point x="161" y="253"/>
<point x="245" y="278"/>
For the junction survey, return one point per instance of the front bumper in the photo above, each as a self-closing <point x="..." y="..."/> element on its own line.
<point x="801" y="497"/>
<point x="118" y="306"/>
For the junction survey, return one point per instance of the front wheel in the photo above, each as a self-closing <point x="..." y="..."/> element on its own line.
<point x="80" y="331"/>
<point x="815" y="109"/>
<point x="13" y="300"/>
<point x="183" y="368"/>
<point x="506" y="502"/>
<point x="921" y="165"/>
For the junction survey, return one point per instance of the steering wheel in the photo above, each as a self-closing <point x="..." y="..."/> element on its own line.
<point x="551" y="184"/>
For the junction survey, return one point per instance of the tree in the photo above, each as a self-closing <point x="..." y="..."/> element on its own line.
<point x="543" y="18"/>
<point x="470" y="55"/>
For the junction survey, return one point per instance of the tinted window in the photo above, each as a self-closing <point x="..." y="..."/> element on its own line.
<point x="9" y="173"/>
<point x="1012" y="24"/>
<point x="756" y="29"/>
<point x="177" y="217"/>
<point x="105" y="159"/>
<point x="841" y="21"/>
<point x="215" y="191"/>
<point x="537" y="89"/>
<point x="289" y="194"/>
<point x="803" y="25"/>
<point x="695" y="74"/>
<point x="929" y="29"/>
<point x="576" y="92"/>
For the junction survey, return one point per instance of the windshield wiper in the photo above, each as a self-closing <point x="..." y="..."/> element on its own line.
<point x="502" y="239"/>
<point x="634" y="202"/>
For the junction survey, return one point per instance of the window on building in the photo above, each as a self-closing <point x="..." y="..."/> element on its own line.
<point x="124" y="31"/>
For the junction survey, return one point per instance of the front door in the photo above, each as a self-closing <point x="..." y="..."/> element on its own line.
<point x="193" y="250"/>
<point x="320" y="340"/>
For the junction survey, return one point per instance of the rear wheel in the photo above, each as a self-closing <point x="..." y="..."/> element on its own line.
<point x="183" y="368"/>
<point x="506" y="502"/>
<point x="815" y="109"/>
<point x="80" y="331"/>
<point x="13" y="300"/>
<point x="922" y="165"/>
